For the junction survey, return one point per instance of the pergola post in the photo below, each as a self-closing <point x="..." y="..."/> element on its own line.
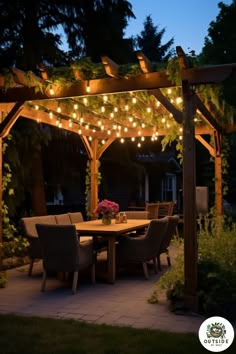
<point x="94" y="176"/>
<point x="1" y="235"/>
<point x="218" y="185"/>
<point x="189" y="188"/>
<point x="189" y="201"/>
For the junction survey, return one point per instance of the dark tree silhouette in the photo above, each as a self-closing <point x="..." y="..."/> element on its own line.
<point x="150" y="42"/>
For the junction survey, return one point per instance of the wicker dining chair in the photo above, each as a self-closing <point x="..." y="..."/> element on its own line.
<point x="170" y="231"/>
<point x="142" y="249"/>
<point x="62" y="252"/>
<point x="165" y="209"/>
<point x="152" y="209"/>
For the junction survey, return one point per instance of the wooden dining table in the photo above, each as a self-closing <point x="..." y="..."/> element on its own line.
<point x="110" y="233"/>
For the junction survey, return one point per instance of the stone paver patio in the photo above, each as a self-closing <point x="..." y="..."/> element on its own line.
<point x="121" y="304"/>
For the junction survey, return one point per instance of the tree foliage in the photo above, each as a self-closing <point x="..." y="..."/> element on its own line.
<point x="150" y="42"/>
<point x="219" y="47"/>
<point x="96" y="27"/>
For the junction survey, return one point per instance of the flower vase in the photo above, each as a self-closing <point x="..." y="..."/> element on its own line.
<point x="106" y="219"/>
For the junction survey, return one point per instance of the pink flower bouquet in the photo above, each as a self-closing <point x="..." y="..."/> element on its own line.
<point x="107" y="208"/>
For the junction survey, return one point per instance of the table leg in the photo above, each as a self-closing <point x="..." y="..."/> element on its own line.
<point x="111" y="260"/>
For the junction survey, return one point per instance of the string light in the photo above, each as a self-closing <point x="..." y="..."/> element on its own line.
<point x="134" y="100"/>
<point x="85" y="100"/>
<point x="50" y="115"/>
<point x="36" y="107"/>
<point x="79" y="131"/>
<point x="88" y="87"/>
<point x="133" y="139"/>
<point x="126" y="107"/>
<point x="58" y="108"/>
<point x="74" y="115"/>
<point x="122" y="140"/>
<point x="142" y="138"/>
<point x="109" y="132"/>
<point x="125" y="129"/>
<point x="105" y="98"/>
<point x="103" y="109"/>
<point x="70" y="123"/>
<point x="51" y="91"/>
<point x="90" y="138"/>
<point x="76" y="106"/>
<point x="139" y="145"/>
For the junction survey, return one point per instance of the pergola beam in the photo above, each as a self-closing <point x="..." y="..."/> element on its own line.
<point x="145" y="64"/>
<point x="10" y="119"/>
<point x="111" y="68"/>
<point x="177" y="114"/>
<point x="207" y="115"/>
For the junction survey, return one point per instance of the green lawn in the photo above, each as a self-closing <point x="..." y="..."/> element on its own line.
<point x="38" y="335"/>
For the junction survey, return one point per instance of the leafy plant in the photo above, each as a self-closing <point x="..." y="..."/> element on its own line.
<point x="3" y="279"/>
<point x="216" y="269"/>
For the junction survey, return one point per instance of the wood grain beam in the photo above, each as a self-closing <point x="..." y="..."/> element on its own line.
<point x="177" y="114"/>
<point x="87" y="146"/>
<point x="145" y="64"/>
<point x="10" y="119"/>
<point x="97" y="87"/>
<point x="104" y="147"/>
<point x="111" y="68"/>
<point x="206" y="145"/>
<point x="207" y="115"/>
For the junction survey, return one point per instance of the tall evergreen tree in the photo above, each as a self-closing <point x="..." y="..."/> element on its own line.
<point x="219" y="46"/>
<point x="150" y="42"/>
<point x="96" y="27"/>
<point x="27" y="33"/>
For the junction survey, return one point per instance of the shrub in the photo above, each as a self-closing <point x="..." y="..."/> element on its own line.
<point x="216" y="270"/>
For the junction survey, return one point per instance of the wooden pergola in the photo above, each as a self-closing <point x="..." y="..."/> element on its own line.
<point x="120" y="115"/>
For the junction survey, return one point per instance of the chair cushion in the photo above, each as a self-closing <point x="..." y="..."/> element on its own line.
<point x="63" y="219"/>
<point x="29" y="223"/>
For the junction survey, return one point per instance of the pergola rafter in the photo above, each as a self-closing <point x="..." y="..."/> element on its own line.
<point x="95" y="124"/>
